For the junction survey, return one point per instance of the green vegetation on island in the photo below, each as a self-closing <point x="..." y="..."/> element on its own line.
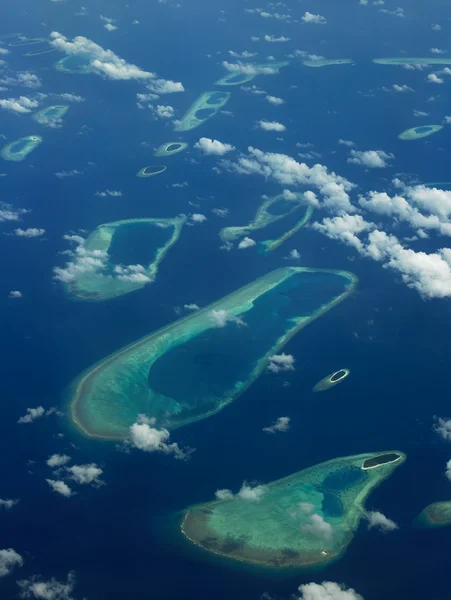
<point x="205" y="107"/>
<point x="415" y="133"/>
<point x="303" y="520"/>
<point x="19" y="149"/>
<point x="196" y="366"/>
<point x="437" y="514"/>
<point x="331" y="380"/>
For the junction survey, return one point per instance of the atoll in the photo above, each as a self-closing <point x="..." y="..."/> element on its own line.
<point x="51" y="115"/>
<point x="77" y="64"/>
<point x="170" y="148"/>
<point x="437" y="514"/>
<point x="19" y="149"/>
<point x="325" y="62"/>
<point x="237" y="78"/>
<point x="281" y="529"/>
<point x="205" y="107"/>
<point x="415" y="133"/>
<point x="428" y="60"/>
<point x="151" y="171"/>
<point x="109" y="281"/>
<point x="196" y="366"/>
<point x="331" y="380"/>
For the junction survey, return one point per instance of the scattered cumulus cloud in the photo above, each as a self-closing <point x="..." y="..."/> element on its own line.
<point x="215" y="147"/>
<point x="372" y="159"/>
<point x="379" y="520"/>
<point x="8" y="504"/>
<point x="9" y="560"/>
<point x="60" y="487"/>
<point x="281" y="424"/>
<point x="21" y="105"/>
<point x="47" y="590"/>
<point x="271" y="126"/>
<point x="57" y="460"/>
<point x="327" y="590"/>
<point x="31" y="232"/>
<point x="146" y="437"/>
<point x="15" y="294"/>
<point x="281" y="363"/>
<point x="442" y="427"/>
<point x="314" y="19"/>
<point x="221" y="317"/>
<point x="434" y="78"/>
<point x="247" y="492"/>
<point x="246" y="242"/>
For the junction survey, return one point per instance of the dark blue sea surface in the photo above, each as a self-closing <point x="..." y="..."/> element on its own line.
<point x="116" y="538"/>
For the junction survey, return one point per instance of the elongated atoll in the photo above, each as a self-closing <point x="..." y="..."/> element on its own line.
<point x="76" y="64"/>
<point x="24" y="41"/>
<point x="415" y="133"/>
<point x="51" y="115"/>
<point x="253" y="70"/>
<point x="170" y="148"/>
<point x="428" y="60"/>
<point x="303" y="520"/>
<point x="205" y="107"/>
<point x="327" y="62"/>
<point x="271" y="211"/>
<point x="151" y="171"/>
<point x="331" y="380"/>
<point x="39" y="52"/>
<point x="437" y="514"/>
<point x="21" y="148"/>
<point x="193" y="368"/>
<point x="111" y="278"/>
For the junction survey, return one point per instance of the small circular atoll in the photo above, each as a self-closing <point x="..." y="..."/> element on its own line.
<point x="331" y="380"/>
<point x="416" y="133"/>
<point x="151" y="171"/>
<point x="170" y="148"/>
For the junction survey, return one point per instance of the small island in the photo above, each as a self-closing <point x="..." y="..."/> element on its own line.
<point x="415" y="133"/>
<point x="21" y="148"/>
<point x="255" y="69"/>
<point x="52" y="115"/>
<point x="437" y="514"/>
<point x="278" y="531"/>
<point x="379" y="460"/>
<point x="216" y="352"/>
<point x="324" y="62"/>
<point x="428" y="60"/>
<point x="170" y="148"/>
<point x="205" y="107"/>
<point x="331" y="380"/>
<point x="151" y="171"/>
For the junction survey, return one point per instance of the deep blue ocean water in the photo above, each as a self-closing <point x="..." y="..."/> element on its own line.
<point x="395" y="343"/>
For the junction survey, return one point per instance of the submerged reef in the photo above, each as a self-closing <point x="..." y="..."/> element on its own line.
<point x="151" y="171"/>
<point x="437" y="514"/>
<point x="428" y="60"/>
<point x="19" y="149"/>
<point x="302" y="520"/>
<point x="51" y="115"/>
<point x="205" y="107"/>
<point x="325" y="62"/>
<point x="170" y="148"/>
<point x="415" y="133"/>
<point x="272" y="210"/>
<point x="194" y="367"/>
<point x="110" y="239"/>
<point x="331" y="380"/>
<point x="77" y="64"/>
<point x="236" y="78"/>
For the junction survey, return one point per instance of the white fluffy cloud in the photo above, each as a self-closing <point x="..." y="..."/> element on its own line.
<point x="315" y="19"/>
<point x="281" y="424"/>
<point x="32" y="415"/>
<point x="344" y="228"/>
<point x="274" y="100"/>
<point x="373" y="159"/>
<point x="379" y="520"/>
<point x="83" y="261"/>
<point x="150" y="439"/>
<point x="434" y="78"/>
<point x="319" y="528"/>
<point x="221" y="317"/>
<point x="246" y="492"/>
<point x="15" y="294"/>
<point x="47" y="590"/>
<point x="327" y="590"/>
<point x="85" y="474"/>
<point x="281" y="362"/>
<point x="209" y="146"/>
<point x="133" y="273"/>
<point x="21" y="105"/>
<point x="57" y="460"/>
<point x="275" y="39"/>
<point x="31" y="232"/>
<point x="448" y="470"/>
<point x="271" y="126"/>
<point x="198" y="218"/>
<point x="9" y="559"/>
<point x="442" y="426"/>
<point x="60" y="487"/>
<point x="249" y="68"/>
<point x="8" y="504"/>
<point x="246" y="242"/>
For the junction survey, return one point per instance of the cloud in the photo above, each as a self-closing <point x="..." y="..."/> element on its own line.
<point x="164" y="112"/>
<point x="191" y="307"/>
<point x="288" y="172"/>
<point x="315" y="19"/>
<point x="47" y="590"/>
<point x="57" y="460"/>
<point x="84" y="261"/>
<point x="31" y="232"/>
<point x="377" y="519"/>
<point x="244" y="54"/>
<point x="271" y="126"/>
<point x="71" y="97"/>
<point x="22" y="79"/>
<point x="9" y="559"/>
<point x="293" y="255"/>
<point x="209" y="146"/>
<point x="281" y="424"/>
<point x="246" y="242"/>
<point x="132" y="273"/>
<point x="274" y="39"/>
<point x="113" y="193"/>
<point x="448" y="470"/>
<point x="327" y="590"/>
<point x="71" y="173"/>
<point x="433" y="78"/>
<point x="15" y="294"/>
<point x="19" y="105"/>
<point x="402" y="88"/>
<point x="442" y="426"/>
<point x="373" y="159"/>
<point x="110" y="27"/>
<point x="150" y="439"/>
<point x="60" y="487"/>
<point x="281" y="362"/>
<point x="344" y="228"/>
<point x="86" y="474"/>
<point x="246" y="492"/>
<point x="249" y="68"/>
<point x="32" y="415"/>
<point x="8" y="504"/>
<point x="220" y="318"/>
<point x="198" y="218"/>
<point x="348" y="143"/>
<point x="224" y="494"/>
<point x="317" y="527"/>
